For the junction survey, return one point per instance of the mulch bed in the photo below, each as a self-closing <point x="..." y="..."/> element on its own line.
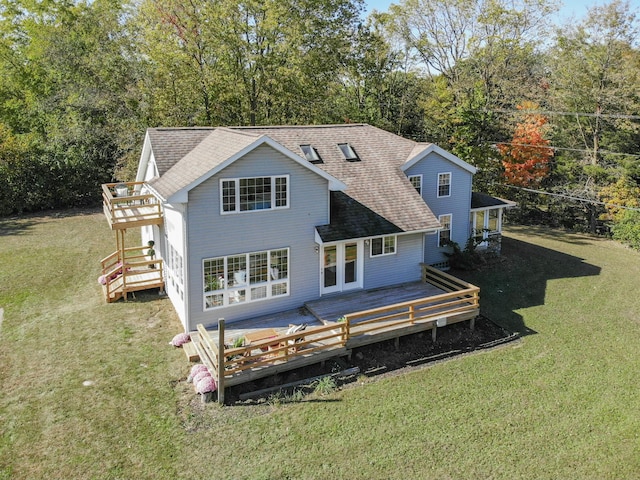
<point x="382" y="359"/>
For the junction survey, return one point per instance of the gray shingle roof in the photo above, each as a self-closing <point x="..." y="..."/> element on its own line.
<point x="378" y="198"/>
<point x="171" y="144"/>
<point x="377" y="186"/>
<point x="217" y="146"/>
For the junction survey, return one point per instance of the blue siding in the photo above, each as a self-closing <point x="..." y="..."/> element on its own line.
<point x="403" y="266"/>
<point x="457" y="204"/>
<point x="213" y="235"/>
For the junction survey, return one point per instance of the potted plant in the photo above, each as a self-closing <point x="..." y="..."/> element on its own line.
<point x="121" y="190"/>
<point x="151" y="252"/>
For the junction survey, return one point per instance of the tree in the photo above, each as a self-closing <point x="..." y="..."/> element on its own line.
<point x="619" y="196"/>
<point x="244" y="62"/>
<point x="377" y="85"/>
<point x="595" y="74"/>
<point x="481" y="57"/>
<point x="526" y="158"/>
<point x="68" y="70"/>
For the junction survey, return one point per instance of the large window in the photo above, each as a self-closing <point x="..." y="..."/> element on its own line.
<point x="444" y="184"/>
<point x="444" y="235"/>
<point x="255" y="193"/>
<point x="383" y="245"/>
<point x="245" y="278"/>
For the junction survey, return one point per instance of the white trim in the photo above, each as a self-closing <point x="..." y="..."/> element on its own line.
<point x="419" y="175"/>
<point x="507" y="204"/>
<point x="340" y="285"/>
<point x="484" y="231"/>
<point x="236" y="181"/>
<point x="450" y="215"/>
<point x="430" y="231"/>
<point x="438" y="184"/>
<point x="444" y="154"/>
<point x="229" y="292"/>
<point x="144" y="158"/>
<point x="383" y="254"/>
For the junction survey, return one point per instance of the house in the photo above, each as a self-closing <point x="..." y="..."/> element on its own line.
<point x="257" y="220"/>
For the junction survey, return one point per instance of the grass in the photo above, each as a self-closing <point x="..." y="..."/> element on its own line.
<point x="563" y="403"/>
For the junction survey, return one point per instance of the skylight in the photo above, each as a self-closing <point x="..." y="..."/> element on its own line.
<point x="349" y="153"/>
<point x="311" y="154"/>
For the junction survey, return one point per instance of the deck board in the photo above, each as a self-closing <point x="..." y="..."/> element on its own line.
<point x="278" y="321"/>
<point x="331" y="308"/>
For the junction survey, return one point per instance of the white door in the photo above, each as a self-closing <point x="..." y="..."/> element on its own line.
<point x="341" y="267"/>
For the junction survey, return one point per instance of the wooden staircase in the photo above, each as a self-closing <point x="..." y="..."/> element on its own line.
<point x="130" y="269"/>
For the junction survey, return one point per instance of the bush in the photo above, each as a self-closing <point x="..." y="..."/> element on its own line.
<point x="627" y="230"/>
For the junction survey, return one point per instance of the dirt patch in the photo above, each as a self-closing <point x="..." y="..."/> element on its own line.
<point x="381" y="359"/>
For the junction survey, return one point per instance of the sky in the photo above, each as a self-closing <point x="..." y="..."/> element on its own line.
<point x="572" y="8"/>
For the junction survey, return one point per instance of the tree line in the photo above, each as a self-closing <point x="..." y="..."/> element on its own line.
<point x="548" y="111"/>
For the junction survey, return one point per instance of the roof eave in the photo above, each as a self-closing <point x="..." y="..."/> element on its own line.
<point x="443" y="153"/>
<point x="428" y="231"/>
<point x="145" y="155"/>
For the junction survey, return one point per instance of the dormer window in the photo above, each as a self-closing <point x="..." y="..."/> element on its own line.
<point x="311" y="154"/>
<point x="349" y="153"/>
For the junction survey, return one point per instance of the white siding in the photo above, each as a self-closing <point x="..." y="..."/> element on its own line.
<point x="173" y="228"/>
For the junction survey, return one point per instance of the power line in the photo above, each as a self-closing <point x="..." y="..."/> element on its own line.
<point x="572" y="114"/>
<point x="571" y="197"/>
<point x="604" y="152"/>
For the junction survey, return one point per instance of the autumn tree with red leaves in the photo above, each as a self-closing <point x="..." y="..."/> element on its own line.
<point x="526" y="158"/>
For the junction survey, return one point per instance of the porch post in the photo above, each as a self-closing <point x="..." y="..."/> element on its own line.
<point x="221" y="360"/>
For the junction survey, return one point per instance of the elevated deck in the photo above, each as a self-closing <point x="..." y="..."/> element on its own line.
<point x="126" y="206"/>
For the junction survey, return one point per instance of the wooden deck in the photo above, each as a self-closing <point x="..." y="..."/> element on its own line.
<point x="125" y="206"/>
<point x="135" y="273"/>
<point x="335" y="325"/>
<point x="331" y="308"/>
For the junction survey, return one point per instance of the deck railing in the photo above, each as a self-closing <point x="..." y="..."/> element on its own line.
<point x="129" y="274"/>
<point x="236" y="365"/>
<point x="124" y="204"/>
<point x="460" y="303"/>
<point x="438" y="310"/>
<point x="277" y="350"/>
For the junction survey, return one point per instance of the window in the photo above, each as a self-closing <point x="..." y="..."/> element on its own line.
<point x="444" y="184"/>
<point x="311" y="154"/>
<point x="416" y="181"/>
<point x="444" y="235"/>
<point x="174" y="268"/>
<point x="492" y="221"/>
<point x="485" y="222"/>
<point x="479" y="223"/>
<point x="246" y="277"/>
<point x="255" y="193"/>
<point x="348" y="152"/>
<point x="383" y="245"/>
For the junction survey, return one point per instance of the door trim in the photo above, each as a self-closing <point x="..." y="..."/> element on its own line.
<point x="340" y="263"/>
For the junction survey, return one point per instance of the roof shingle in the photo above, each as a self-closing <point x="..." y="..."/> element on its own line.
<point x="378" y="199"/>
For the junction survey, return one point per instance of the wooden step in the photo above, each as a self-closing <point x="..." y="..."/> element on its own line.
<point x="191" y="352"/>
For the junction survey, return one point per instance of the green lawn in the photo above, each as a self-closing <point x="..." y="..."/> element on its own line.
<point x="562" y="403"/>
